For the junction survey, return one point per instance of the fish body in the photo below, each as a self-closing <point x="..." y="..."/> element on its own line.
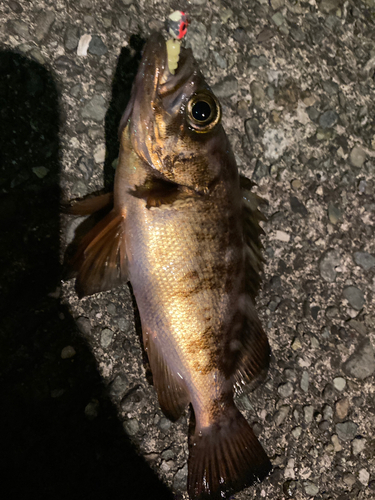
<point x="185" y="235"/>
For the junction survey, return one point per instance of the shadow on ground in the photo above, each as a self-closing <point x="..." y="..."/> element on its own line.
<point x="50" y="447"/>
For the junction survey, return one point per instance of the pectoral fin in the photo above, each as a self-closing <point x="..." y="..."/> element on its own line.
<point x="172" y="394"/>
<point x="89" y="205"/>
<point x="100" y="262"/>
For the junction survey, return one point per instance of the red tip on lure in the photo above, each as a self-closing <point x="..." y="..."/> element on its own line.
<point x="177" y="24"/>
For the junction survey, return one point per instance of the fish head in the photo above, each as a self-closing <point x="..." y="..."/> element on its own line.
<point x="174" y="119"/>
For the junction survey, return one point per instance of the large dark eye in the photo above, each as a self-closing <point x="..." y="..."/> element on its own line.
<point x="203" y="112"/>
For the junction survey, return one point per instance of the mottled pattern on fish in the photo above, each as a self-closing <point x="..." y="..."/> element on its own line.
<point x="187" y="237"/>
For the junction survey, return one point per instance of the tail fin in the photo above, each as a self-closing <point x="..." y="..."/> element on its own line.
<point x="225" y="458"/>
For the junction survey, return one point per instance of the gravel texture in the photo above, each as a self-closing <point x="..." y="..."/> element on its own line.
<point x="296" y="83"/>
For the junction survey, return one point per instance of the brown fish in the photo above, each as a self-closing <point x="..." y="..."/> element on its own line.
<point x="187" y="237"/>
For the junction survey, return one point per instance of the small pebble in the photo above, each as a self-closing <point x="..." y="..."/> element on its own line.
<point x="131" y="426"/>
<point x="106" y="337"/>
<point x="226" y="88"/>
<point x="349" y="479"/>
<point x="358" y="326"/>
<point x="357" y="157"/>
<point x="257" y="92"/>
<point x="311" y="488"/>
<point x="124" y="324"/>
<point x="305" y="381"/>
<point x="278" y="18"/>
<point x="358" y="445"/>
<point x="180" y="478"/>
<point x="327" y="412"/>
<point x="297" y="206"/>
<point x="296" y="344"/>
<point x="92" y="409"/>
<point x="290" y="375"/>
<point x="119" y="385"/>
<point x="336" y="443"/>
<point x="84" y="325"/>
<point x="97" y="46"/>
<point x="95" y="109"/>
<point x="164" y="424"/>
<point x="68" y="352"/>
<point x="71" y="37"/>
<point x="323" y="426"/>
<point x="275" y="143"/>
<point x="346" y="431"/>
<point x="342" y="408"/>
<point x="277" y="4"/>
<point x="365" y="260"/>
<point x="285" y="390"/>
<point x="40" y="171"/>
<point x="328" y="263"/>
<point x="282" y="236"/>
<point x="328" y="119"/>
<point x="296" y="184"/>
<point x="361" y="364"/>
<point x="99" y="153"/>
<point x="364" y="476"/>
<point x="44" y="21"/>
<point x="354" y="296"/>
<point x="332" y="312"/>
<point x="308" y="412"/>
<point x="339" y="383"/>
<point x="281" y="414"/>
<point x="296" y="432"/>
<point x="83" y="45"/>
<point x="290" y="488"/>
<point x="334" y="214"/>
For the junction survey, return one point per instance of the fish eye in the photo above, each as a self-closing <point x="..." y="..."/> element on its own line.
<point x="203" y="112"/>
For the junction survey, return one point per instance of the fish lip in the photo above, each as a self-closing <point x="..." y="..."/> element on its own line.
<point x="156" y="64"/>
<point x="186" y="68"/>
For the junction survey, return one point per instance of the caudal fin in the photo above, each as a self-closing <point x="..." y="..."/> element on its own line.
<point x="225" y="458"/>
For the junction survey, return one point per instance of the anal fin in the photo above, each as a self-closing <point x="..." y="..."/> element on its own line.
<point x="100" y="262"/>
<point x="172" y="394"/>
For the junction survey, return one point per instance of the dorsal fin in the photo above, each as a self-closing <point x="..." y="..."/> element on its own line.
<point x="252" y="231"/>
<point x="255" y="351"/>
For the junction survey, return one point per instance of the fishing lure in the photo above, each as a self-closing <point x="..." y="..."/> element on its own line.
<point x="176" y="24"/>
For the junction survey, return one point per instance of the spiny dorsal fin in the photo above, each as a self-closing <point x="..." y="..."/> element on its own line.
<point x="100" y="262"/>
<point x="252" y="231"/>
<point x="255" y="351"/>
<point x="172" y="394"/>
<point x="225" y="457"/>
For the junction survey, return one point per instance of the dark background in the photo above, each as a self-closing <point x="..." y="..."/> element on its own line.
<point x="49" y="447"/>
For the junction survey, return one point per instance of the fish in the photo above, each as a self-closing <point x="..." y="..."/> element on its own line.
<point x="184" y="229"/>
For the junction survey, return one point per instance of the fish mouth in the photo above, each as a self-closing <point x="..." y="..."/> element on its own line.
<point x="166" y="82"/>
<point x="156" y="87"/>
